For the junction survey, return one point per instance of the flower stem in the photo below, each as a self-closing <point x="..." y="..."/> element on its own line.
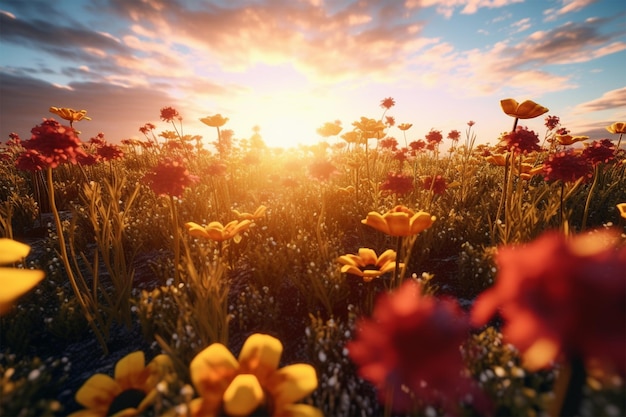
<point x="568" y="388"/>
<point x="176" y="236"/>
<point x="593" y="185"/>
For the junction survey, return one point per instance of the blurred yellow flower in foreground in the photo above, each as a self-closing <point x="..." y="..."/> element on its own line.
<point x="622" y="209"/>
<point x="525" y="110"/>
<point x="258" y="213"/>
<point x="367" y="264"/>
<point x="214" y="121"/>
<point x="15" y="282"/>
<point x="617" y="127"/>
<point x="129" y="393"/>
<point x="70" y="115"/>
<point x="400" y="221"/>
<point x="252" y="384"/>
<point x="217" y="231"/>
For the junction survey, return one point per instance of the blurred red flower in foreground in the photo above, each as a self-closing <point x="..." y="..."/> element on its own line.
<point x="170" y="178"/>
<point x="567" y="166"/>
<point x="561" y="296"/>
<point x="409" y="350"/>
<point x="56" y="144"/>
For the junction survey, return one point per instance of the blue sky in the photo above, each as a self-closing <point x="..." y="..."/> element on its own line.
<point x="289" y="66"/>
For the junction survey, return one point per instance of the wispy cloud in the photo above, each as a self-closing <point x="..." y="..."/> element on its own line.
<point x="610" y="100"/>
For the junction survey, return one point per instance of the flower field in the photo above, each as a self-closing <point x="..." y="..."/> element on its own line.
<point x="373" y="274"/>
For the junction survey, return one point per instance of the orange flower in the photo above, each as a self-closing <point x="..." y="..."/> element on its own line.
<point x="399" y="221"/>
<point x="258" y="213"/>
<point x="569" y="139"/>
<point x="70" y="115"/>
<point x="14" y="281"/>
<point x="330" y="129"/>
<point x="367" y="264"/>
<point x="218" y="232"/>
<point x="405" y="126"/>
<point x="214" y="121"/>
<point x="525" y="110"/>
<point x="617" y="127"/>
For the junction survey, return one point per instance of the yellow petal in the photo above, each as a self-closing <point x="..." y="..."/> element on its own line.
<point x="260" y="355"/>
<point x="292" y="383"/>
<point x="529" y="110"/>
<point x="243" y="395"/>
<point x="421" y="221"/>
<point x="350" y="269"/>
<point x="617" y="127"/>
<point x="398" y="223"/>
<point x="129" y="370"/>
<point x="622" y="209"/>
<point x="16" y="282"/>
<point x="376" y="221"/>
<point x="12" y="251"/>
<point x="509" y="106"/>
<point x="367" y="256"/>
<point x="387" y="256"/>
<point x="349" y="260"/>
<point x="212" y="370"/>
<point x="196" y="230"/>
<point x="301" y="410"/>
<point x="98" y="392"/>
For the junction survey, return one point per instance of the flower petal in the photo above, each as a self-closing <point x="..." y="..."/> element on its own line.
<point x="260" y="355"/>
<point x="301" y="410"/>
<point x="292" y="383"/>
<point x="509" y="106"/>
<point x="398" y="223"/>
<point x="98" y="392"/>
<point x="212" y="370"/>
<point x="130" y="371"/>
<point x="376" y="221"/>
<point x="16" y="282"/>
<point x="421" y="221"/>
<point x="243" y="395"/>
<point x="12" y="251"/>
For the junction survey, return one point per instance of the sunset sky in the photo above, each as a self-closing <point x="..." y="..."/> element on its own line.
<point x="289" y="66"/>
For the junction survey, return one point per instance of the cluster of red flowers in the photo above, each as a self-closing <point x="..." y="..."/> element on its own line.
<point x="434" y="137"/>
<point x="170" y="178"/>
<point x="567" y="166"/>
<point x="50" y="145"/>
<point x="389" y="143"/>
<point x="438" y="184"/>
<point x="168" y="114"/>
<point x="597" y="152"/>
<point x="397" y="183"/>
<point x="552" y="122"/>
<point x="454" y="135"/>
<point x="417" y="146"/>
<point x="521" y="141"/>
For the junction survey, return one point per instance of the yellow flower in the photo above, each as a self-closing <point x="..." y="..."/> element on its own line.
<point x="622" y="209"/>
<point x="330" y="129"/>
<point x="569" y="139"/>
<point x="214" y="121"/>
<point x="525" y="110"/>
<point x="399" y="221"/>
<point x="251" y="384"/>
<point x="405" y="126"/>
<point x="129" y="393"/>
<point x="370" y="128"/>
<point x="217" y="231"/>
<point x="70" y="115"/>
<point x="351" y="137"/>
<point x="15" y="282"/>
<point x="367" y="264"/>
<point x="617" y="127"/>
<point x="496" y="159"/>
<point x="258" y="213"/>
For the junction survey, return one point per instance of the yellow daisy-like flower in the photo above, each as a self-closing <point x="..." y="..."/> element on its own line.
<point x="218" y="232"/>
<point x="399" y="221"/>
<point x="525" y="110"/>
<point x="70" y="115"/>
<point x="622" y="209"/>
<point x="214" y="121"/>
<point x="129" y="393"/>
<point x="258" y="213"/>
<point x="251" y="384"/>
<point x="370" y="128"/>
<point x="15" y="282"/>
<point x="405" y="126"/>
<point x="569" y="139"/>
<point x="617" y="127"/>
<point x="367" y="264"/>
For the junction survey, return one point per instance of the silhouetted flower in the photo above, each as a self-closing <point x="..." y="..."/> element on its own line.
<point x="552" y="122"/>
<point x="214" y="121"/>
<point x="567" y="166"/>
<point x="405" y="126"/>
<point x="168" y="114"/>
<point x="387" y="103"/>
<point x="170" y="178"/>
<point x="389" y="143"/>
<point x="109" y="152"/>
<point x="434" y="137"/>
<point x="390" y="120"/>
<point x="330" y="129"/>
<point x="561" y="296"/>
<point x="397" y="183"/>
<point x="454" y="135"/>
<point x="409" y="350"/>
<point x="322" y="170"/>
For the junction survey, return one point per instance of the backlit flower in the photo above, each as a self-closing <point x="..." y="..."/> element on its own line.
<point x="322" y="170"/>
<point x="409" y="349"/>
<point x="399" y="221"/>
<point x="214" y="121"/>
<point x="496" y="159"/>
<point x="370" y="128"/>
<point x="552" y="122"/>
<point x="561" y="296"/>
<point x="599" y="151"/>
<point x="31" y="161"/>
<point x="387" y="103"/>
<point x="367" y="264"/>
<point x="330" y="129"/>
<point x="129" y="393"/>
<point x="525" y="110"/>
<point x="168" y="114"/>
<point x="252" y="385"/>
<point x="454" y="135"/>
<point x="397" y="183"/>
<point x="170" y="178"/>
<point x="109" y="152"/>
<point x="567" y="166"/>
<point x="569" y="139"/>
<point x="405" y="126"/>
<point x="258" y="213"/>
<point x="218" y="232"/>
<point x="15" y="281"/>
<point x="70" y="115"/>
<point x="55" y="143"/>
<point x="522" y="140"/>
<point x="617" y="127"/>
<point x="434" y="137"/>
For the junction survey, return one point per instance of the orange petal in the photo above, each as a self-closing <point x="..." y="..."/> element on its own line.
<point x="15" y="283"/>
<point x="98" y="392"/>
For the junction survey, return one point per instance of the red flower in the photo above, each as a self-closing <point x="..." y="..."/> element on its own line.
<point x="454" y="135"/>
<point x="439" y="186"/>
<point x="387" y="103"/>
<point x="552" y="122"/>
<point x="390" y="120"/>
<point x="322" y="170"/>
<point x="170" y="178"/>
<point x="88" y="160"/>
<point x="31" y="161"/>
<point x="520" y="141"/>
<point x="397" y="183"/>
<point x="97" y="140"/>
<point x="215" y="169"/>
<point x="471" y="123"/>
<point x="597" y="152"/>
<point x="410" y="347"/>
<point x="417" y="145"/>
<point x="560" y="295"/>
<point x="109" y="152"/>
<point x="567" y="166"/>
<point x="55" y="143"/>
<point x="389" y="143"/>
<point x="434" y="137"/>
<point x="168" y="114"/>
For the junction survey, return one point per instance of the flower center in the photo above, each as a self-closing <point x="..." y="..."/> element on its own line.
<point x="370" y="267"/>
<point x="130" y="398"/>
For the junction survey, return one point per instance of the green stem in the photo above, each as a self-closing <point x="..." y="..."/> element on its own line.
<point x="176" y="236"/>
<point x="596" y="174"/>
